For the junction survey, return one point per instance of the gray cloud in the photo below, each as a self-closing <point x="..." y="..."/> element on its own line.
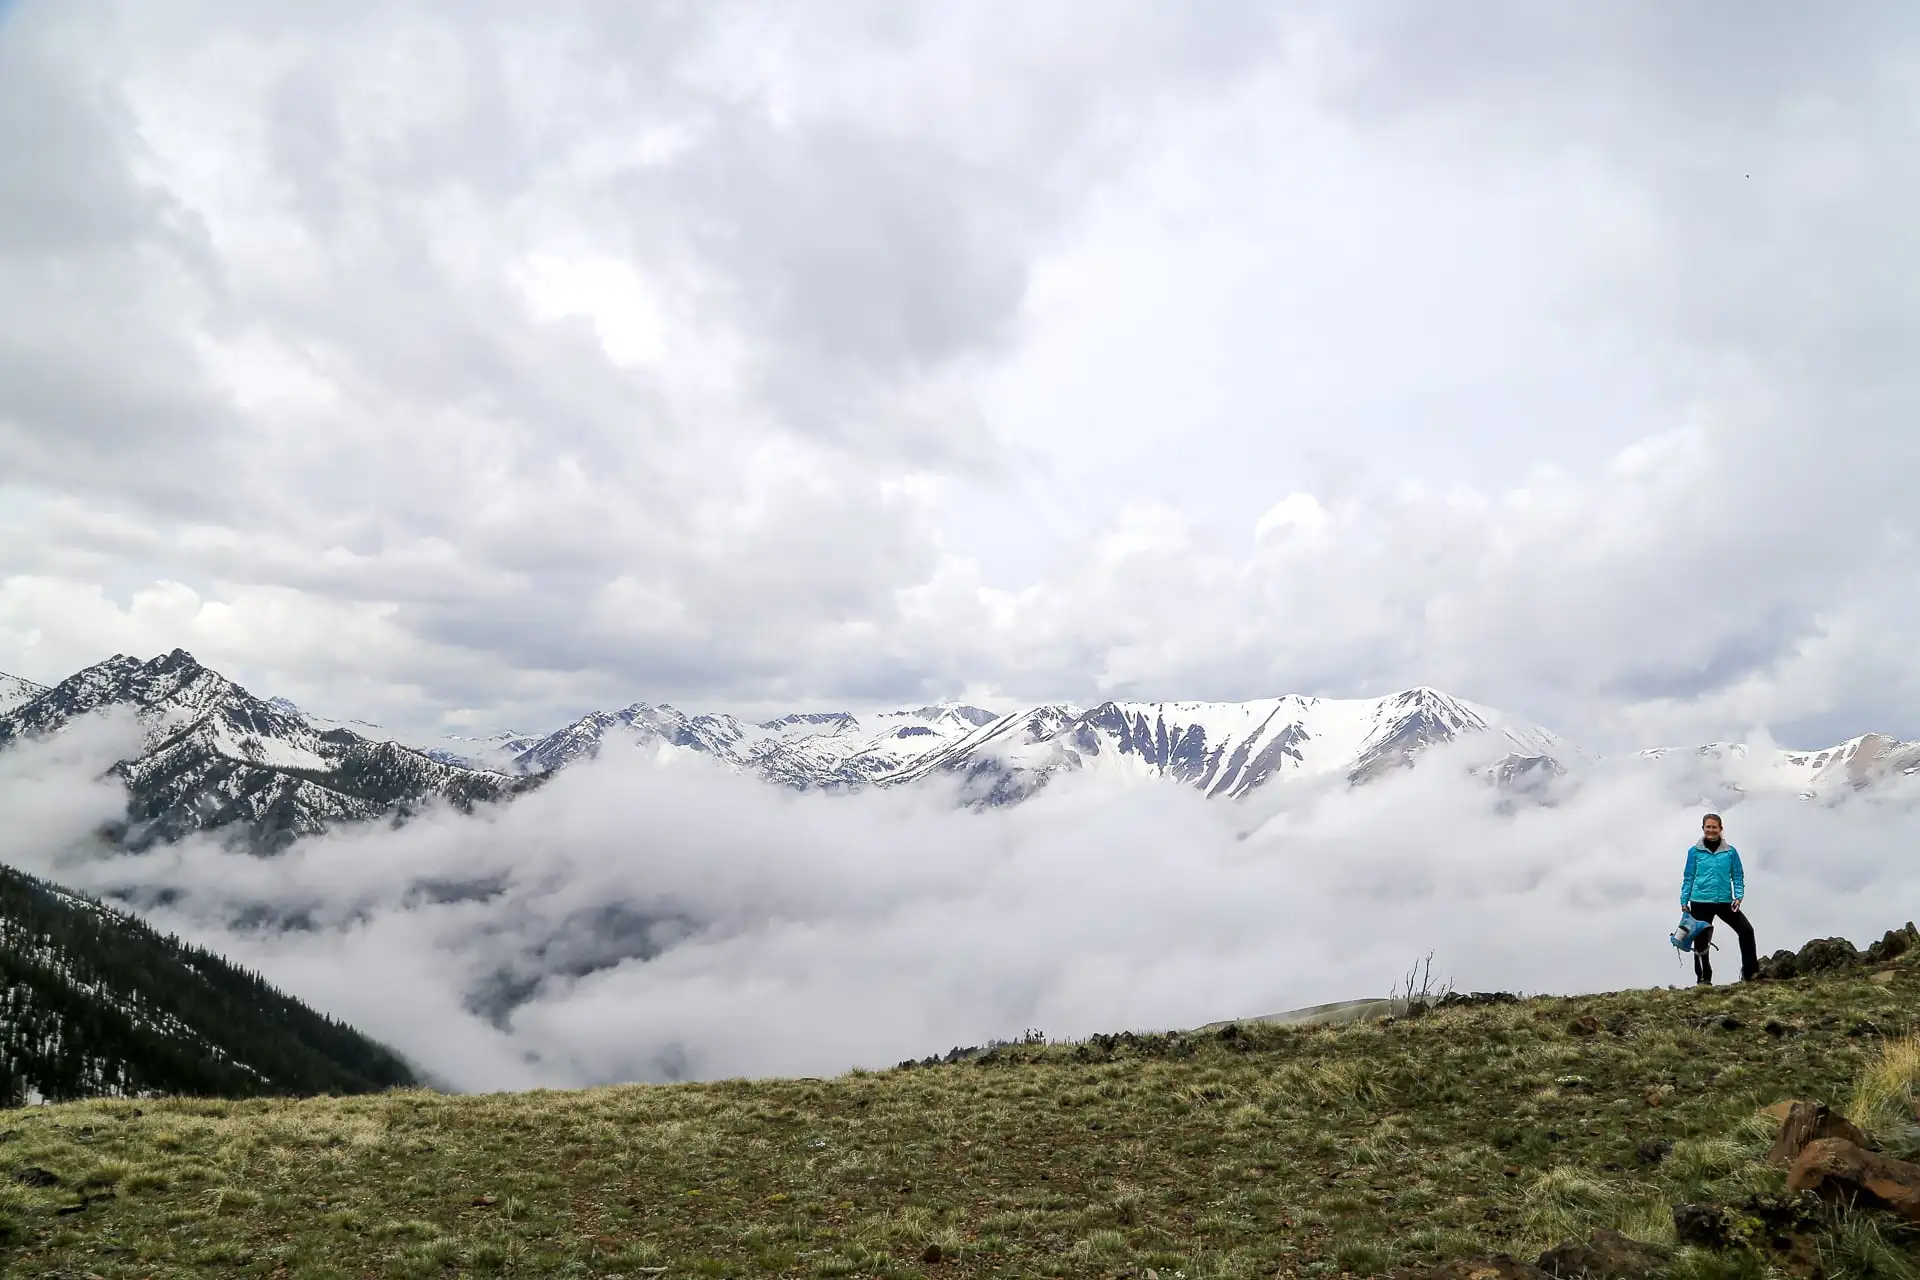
<point x="497" y="364"/>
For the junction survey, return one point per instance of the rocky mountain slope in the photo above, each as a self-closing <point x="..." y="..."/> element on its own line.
<point x="213" y="756"/>
<point x="16" y="692"/>
<point x="1230" y="749"/>
<point x="811" y="751"/>
<point x="1225" y="749"/>
<point x="95" y="1003"/>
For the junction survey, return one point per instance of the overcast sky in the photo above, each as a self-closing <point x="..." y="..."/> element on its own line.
<point x="475" y="364"/>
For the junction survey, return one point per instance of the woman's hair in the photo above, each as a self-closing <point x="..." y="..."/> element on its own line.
<point x="1712" y="817"/>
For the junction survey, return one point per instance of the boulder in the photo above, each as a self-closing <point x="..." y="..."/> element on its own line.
<point x="1897" y="942"/>
<point x="1837" y="1169"/>
<point x="1807" y="1122"/>
<point x="1607" y="1255"/>
<point x="1475" y="999"/>
<point x="1822" y="955"/>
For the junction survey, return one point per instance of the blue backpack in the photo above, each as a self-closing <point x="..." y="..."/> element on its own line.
<point x="1686" y="931"/>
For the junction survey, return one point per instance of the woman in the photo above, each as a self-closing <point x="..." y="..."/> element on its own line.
<point x="1712" y="887"/>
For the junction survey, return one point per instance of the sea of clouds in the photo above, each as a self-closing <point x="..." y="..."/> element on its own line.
<point x="639" y="921"/>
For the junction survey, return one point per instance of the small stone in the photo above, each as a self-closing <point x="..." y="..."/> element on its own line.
<point x="485" y="1202"/>
<point x="1654" y="1150"/>
<point x="932" y="1253"/>
<point x="1883" y="978"/>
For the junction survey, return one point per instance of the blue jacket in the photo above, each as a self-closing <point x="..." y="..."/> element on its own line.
<point x="1712" y="877"/>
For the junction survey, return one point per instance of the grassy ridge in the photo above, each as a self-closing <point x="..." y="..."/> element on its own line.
<point x="1264" y="1151"/>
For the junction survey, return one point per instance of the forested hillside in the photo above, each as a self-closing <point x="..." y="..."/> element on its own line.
<point x="94" y="1002"/>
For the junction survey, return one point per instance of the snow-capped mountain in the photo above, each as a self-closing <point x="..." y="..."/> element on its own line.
<point x="493" y="752"/>
<point x="214" y="756"/>
<point x="16" y="692"/>
<point x="1854" y="765"/>
<point x="1229" y="749"/>
<point x="807" y="751"/>
<point x="1225" y="749"/>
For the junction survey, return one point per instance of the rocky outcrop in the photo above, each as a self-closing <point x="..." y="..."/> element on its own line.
<point x="1782" y="1231"/>
<point x="1809" y="1122"/>
<point x="1828" y="955"/>
<point x="1838" y="1170"/>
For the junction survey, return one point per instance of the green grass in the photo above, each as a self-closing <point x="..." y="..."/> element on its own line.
<point x="1280" y="1151"/>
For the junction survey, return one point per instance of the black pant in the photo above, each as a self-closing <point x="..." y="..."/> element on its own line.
<point x="1749" y="957"/>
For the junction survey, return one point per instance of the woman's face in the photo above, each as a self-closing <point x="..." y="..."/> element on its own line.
<point x="1711" y="828"/>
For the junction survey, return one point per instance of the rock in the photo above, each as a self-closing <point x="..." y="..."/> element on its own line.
<point x="1708" y="1226"/>
<point x="1822" y="955"/>
<point x="1654" y="1150"/>
<point x="1475" y="999"/>
<point x="1780" y="1110"/>
<point x="1837" y="1169"/>
<point x="1783" y="1230"/>
<point x="1810" y="1122"/>
<point x="1608" y="1255"/>
<point x="1584" y="1025"/>
<point x="1884" y="977"/>
<point x="1498" y="1267"/>
<point x="34" y="1176"/>
<point x="932" y="1253"/>
<point x="1897" y="942"/>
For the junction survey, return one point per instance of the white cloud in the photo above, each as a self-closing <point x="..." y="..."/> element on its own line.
<point x="683" y="922"/>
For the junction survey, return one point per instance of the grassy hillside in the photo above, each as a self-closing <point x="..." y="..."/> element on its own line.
<point x="1247" y="1152"/>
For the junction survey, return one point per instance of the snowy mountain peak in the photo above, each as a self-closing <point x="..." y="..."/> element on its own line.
<point x="1853" y="765"/>
<point x="939" y="711"/>
<point x="1224" y="749"/>
<point x="17" y="692"/>
<point x="213" y="755"/>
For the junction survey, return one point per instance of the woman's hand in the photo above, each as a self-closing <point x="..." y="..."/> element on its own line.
<point x="1737" y="902"/>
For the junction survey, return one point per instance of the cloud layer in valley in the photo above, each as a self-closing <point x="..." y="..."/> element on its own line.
<point x="638" y="921"/>
<point x="473" y="365"/>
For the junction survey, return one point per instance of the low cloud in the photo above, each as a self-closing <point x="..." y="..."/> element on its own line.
<point x="640" y="921"/>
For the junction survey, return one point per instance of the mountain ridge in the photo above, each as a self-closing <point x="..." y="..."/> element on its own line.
<point x="265" y="772"/>
<point x="213" y="756"/>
